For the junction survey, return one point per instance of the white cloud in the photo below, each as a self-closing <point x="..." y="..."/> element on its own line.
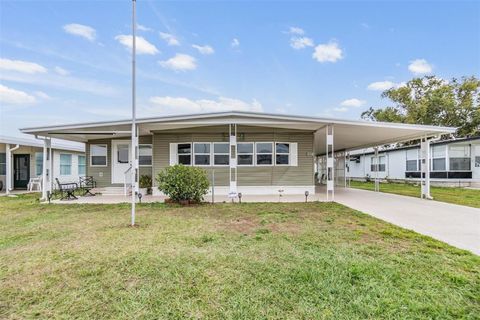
<point x="301" y="42"/>
<point x="143" y="28"/>
<point x="381" y="85"/>
<point x="354" y="102"/>
<point x="61" y="71"/>
<point x="296" y="30"/>
<point x="329" y="52"/>
<point x="206" y="49"/>
<point x="11" y="96"/>
<point x="81" y="30"/>
<point x="170" y="39"/>
<point x="142" y="45"/>
<point x="365" y="25"/>
<point x="42" y="95"/>
<point x="169" y="104"/>
<point x="21" y="66"/>
<point x="235" y="43"/>
<point x="420" y="66"/>
<point x="181" y="62"/>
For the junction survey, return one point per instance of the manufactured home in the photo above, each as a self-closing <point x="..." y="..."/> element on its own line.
<point x="21" y="163"/>
<point x="452" y="162"/>
<point x="247" y="152"/>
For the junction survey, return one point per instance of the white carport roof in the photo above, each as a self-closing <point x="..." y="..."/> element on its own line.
<point x="348" y="135"/>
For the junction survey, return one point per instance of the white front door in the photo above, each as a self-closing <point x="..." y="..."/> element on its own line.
<point x="121" y="160"/>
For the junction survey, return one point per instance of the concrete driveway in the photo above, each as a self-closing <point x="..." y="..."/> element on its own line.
<point x="456" y="225"/>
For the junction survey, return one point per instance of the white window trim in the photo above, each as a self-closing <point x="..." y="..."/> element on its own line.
<point x="71" y="163"/>
<point x="201" y="154"/>
<point x="78" y="164"/>
<point x="416" y="161"/>
<point x="145" y="144"/>
<point x="256" y="153"/>
<point x="434" y="158"/>
<point x="37" y="174"/>
<point x="106" y="155"/>
<point x="253" y="154"/>
<point x="282" y="153"/>
<point x="212" y="162"/>
<point x="192" y="160"/>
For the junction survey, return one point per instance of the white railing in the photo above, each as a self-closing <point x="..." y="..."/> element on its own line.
<point x="125" y="180"/>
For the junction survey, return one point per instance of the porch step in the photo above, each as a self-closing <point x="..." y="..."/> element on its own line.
<point x="112" y="191"/>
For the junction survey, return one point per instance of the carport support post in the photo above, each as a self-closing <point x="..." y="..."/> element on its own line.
<point x="425" y="168"/>
<point x="376" y="166"/>
<point x="330" y="157"/>
<point x="45" y="170"/>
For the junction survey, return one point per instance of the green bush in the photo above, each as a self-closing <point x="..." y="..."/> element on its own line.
<point x="181" y="182"/>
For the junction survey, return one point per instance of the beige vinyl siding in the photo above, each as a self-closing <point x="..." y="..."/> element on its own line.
<point x="103" y="175"/>
<point x="300" y="175"/>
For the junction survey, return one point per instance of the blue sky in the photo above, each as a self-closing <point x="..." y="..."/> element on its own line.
<point x="67" y="61"/>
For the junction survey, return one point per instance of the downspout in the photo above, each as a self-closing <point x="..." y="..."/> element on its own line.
<point x="9" y="178"/>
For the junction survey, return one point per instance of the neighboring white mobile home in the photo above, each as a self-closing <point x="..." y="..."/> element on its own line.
<point x="21" y="163"/>
<point x="452" y="162"/>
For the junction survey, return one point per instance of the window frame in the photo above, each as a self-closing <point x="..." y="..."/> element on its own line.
<point x="63" y="165"/>
<point x="252" y="154"/>
<point x="262" y="153"/>
<point x="36" y="164"/>
<point x="416" y="160"/>
<point x="192" y="161"/>
<point x="3" y="165"/>
<point x="151" y="156"/>
<point x="220" y="154"/>
<point x="79" y="165"/>
<point x="438" y="158"/>
<point x="91" y="155"/>
<point x="469" y="157"/>
<point x="282" y="153"/>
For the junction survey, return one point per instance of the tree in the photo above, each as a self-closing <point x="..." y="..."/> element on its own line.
<point x="433" y="101"/>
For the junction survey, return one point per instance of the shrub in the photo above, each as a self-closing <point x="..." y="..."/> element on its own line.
<point x="181" y="183"/>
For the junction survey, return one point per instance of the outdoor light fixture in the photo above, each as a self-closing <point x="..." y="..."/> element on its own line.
<point x="140" y="197"/>
<point x="239" y="197"/>
<point x="306" y="195"/>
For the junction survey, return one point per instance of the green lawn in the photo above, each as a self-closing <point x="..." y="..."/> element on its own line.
<point x="462" y="196"/>
<point x="227" y="261"/>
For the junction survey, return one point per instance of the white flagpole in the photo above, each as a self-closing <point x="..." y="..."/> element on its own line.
<point x="134" y="133"/>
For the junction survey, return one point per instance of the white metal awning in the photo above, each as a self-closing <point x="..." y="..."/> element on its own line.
<point x="349" y="134"/>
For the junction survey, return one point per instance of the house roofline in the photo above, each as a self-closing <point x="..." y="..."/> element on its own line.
<point x="258" y="115"/>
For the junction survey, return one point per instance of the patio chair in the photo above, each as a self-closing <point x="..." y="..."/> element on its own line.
<point x="67" y="190"/>
<point x="87" y="183"/>
<point x="35" y="183"/>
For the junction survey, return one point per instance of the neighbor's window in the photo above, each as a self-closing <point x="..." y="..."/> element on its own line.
<point x="82" y="164"/>
<point x="221" y="156"/>
<point x="459" y="158"/>
<point x="65" y="164"/>
<point x="282" y="153"/>
<point x="184" y="153"/>
<point x="264" y="153"/>
<point x="38" y="163"/>
<point x="439" y="162"/>
<point x="381" y="164"/>
<point x="3" y="163"/>
<point x="145" y="154"/>
<point x="98" y="154"/>
<point x="202" y="153"/>
<point x="412" y="159"/>
<point x="245" y="154"/>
